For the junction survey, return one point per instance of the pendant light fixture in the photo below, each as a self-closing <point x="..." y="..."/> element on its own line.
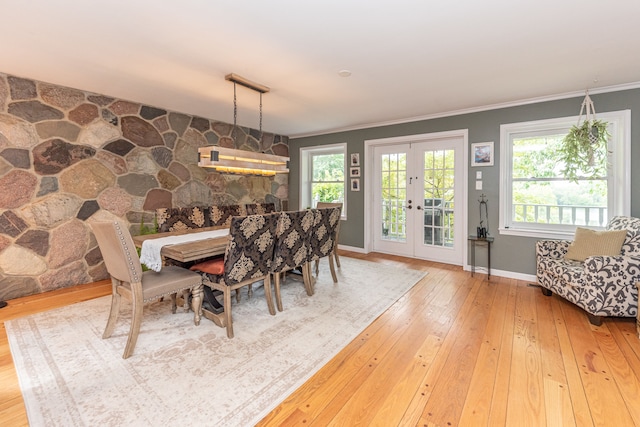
<point x="230" y="160"/>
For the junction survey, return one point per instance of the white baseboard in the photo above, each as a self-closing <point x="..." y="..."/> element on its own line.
<point x="500" y="273"/>
<point x="352" y="249"/>
<point x="508" y="274"/>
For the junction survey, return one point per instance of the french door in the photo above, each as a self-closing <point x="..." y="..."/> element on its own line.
<point x="418" y="199"/>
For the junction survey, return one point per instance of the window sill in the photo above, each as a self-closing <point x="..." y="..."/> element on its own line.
<point x="539" y="234"/>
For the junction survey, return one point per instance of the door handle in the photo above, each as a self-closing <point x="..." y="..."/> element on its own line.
<point x="408" y="206"/>
<point x="419" y="207"/>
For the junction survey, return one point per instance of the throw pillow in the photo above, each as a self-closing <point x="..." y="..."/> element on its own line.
<point x="593" y="243"/>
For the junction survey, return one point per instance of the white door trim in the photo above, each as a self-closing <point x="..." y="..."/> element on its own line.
<point x="369" y="178"/>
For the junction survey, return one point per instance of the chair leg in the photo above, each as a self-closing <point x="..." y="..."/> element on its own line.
<point x="335" y="254"/>
<point x="113" y="313"/>
<point x="333" y="269"/>
<point x="594" y="320"/>
<point x="174" y="304"/>
<point x="308" y="279"/>
<point x="276" y="279"/>
<point x="227" y="311"/>
<point x="250" y="291"/>
<point x="136" y="319"/>
<point x="317" y="267"/>
<point x="546" y="292"/>
<point x="269" y="295"/>
<point x="185" y="300"/>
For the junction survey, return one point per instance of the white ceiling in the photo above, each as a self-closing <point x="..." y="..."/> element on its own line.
<point x="409" y="59"/>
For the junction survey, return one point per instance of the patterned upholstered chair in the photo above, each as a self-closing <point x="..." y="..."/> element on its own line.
<point x="323" y="236"/>
<point x="292" y="247"/>
<point x="324" y="205"/>
<point x="220" y="216"/>
<point x="247" y="260"/>
<point x="175" y="219"/>
<point x="128" y="279"/>
<point x="601" y="285"/>
<point x="260" y="208"/>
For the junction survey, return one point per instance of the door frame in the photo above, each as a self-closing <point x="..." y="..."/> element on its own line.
<point x="369" y="179"/>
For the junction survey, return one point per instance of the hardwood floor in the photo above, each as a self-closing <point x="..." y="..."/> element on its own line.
<point x="455" y="350"/>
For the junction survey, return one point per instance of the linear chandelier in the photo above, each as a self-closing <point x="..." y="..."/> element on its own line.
<point x="230" y="160"/>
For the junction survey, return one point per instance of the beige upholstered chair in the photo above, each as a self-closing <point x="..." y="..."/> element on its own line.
<point x="292" y="247"/>
<point x="324" y="205"/>
<point x="247" y="260"/>
<point x="122" y="262"/>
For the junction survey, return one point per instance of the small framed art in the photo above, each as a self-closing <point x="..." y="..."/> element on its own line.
<point x="354" y="172"/>
<point x="355" y="159"/>
<point x="482" y="154"/>
<point x="355" y="184"/>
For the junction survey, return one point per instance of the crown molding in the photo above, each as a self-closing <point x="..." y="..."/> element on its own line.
<point x="594" y="91"/>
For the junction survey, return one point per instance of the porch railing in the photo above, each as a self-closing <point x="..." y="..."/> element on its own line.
<point x="566" y="215"/>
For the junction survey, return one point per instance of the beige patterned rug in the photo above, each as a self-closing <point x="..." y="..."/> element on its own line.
<point x="180" y="374"/>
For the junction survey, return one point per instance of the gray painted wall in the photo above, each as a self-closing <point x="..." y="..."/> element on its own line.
<point x="509" y="253"/>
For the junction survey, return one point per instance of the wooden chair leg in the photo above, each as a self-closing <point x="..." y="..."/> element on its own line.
<point x="335" y="254"/>
<point x="113" y="313"/>
<point x="136" y="319"/>
<point x="595" y="320"/>
<point x="276" y="279"/>
<point x="333" y="269"/>
<point x="227" y="311"/>
<point x="174" y="304"/>
<point x="185" y="300"/>
<point x="269" y="295"/>
<point x="306" y="274"/>
<point x="317" y="267"/>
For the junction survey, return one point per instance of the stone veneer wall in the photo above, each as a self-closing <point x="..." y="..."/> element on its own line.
<point x="67" y="156"/>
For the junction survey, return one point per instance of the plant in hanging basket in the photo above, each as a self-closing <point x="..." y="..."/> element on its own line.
<point x="584" y="150"/>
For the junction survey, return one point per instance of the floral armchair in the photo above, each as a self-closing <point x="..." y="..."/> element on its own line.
<point x="601" y="285"/>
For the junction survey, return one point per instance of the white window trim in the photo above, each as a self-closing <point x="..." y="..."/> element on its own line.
<point x="306" y="154"/>
<point x="620" y="146"/>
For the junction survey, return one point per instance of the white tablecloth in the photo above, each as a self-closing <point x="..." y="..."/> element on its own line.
<point x="150" y="253"/>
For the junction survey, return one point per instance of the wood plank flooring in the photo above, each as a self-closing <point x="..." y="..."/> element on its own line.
<point x="455" y="350"/>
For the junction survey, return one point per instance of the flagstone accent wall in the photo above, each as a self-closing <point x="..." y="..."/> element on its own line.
<point x="68" y="156"/>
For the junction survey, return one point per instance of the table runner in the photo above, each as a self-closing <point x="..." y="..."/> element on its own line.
<point x="150" y="253"/>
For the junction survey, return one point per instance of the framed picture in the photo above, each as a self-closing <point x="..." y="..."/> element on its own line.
<point x="355" y="184"/>
<point x="482" y="154"/>
<point x="354" y="172"/>
<point x="355" y="159"/>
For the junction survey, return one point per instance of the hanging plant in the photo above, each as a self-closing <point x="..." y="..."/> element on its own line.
<point x="584" y="150"/>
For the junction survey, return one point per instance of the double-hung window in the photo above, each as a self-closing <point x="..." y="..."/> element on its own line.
<point x="322" y="175"/>
<point x="537" y="200"/>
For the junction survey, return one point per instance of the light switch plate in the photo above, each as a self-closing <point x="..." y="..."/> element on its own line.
<point x="478" y="174"/>
<point x="478" y="185"/>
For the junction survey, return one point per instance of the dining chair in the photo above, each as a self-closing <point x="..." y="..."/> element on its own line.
<point x="128" y="279"/>
<point x="325" y="205"/>
<point x="322" y="243"/>
<point x="293" y="234"/>
<point x="247" y="260"/>
<point x="221" y="215"/>
<point x="260" y="208"/>
<point x="177" y="219"/>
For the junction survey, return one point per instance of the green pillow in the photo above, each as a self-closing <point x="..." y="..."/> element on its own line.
<point x="593" y="243"/>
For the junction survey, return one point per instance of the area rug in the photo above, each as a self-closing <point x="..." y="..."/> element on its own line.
<point x="181" y="374"/>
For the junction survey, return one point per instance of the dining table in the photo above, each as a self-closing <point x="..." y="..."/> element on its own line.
<point x="199" y="246"/>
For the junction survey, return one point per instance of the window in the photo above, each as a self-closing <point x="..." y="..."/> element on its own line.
<point x="537" y="201"/>
<point x="322" y="174"/>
